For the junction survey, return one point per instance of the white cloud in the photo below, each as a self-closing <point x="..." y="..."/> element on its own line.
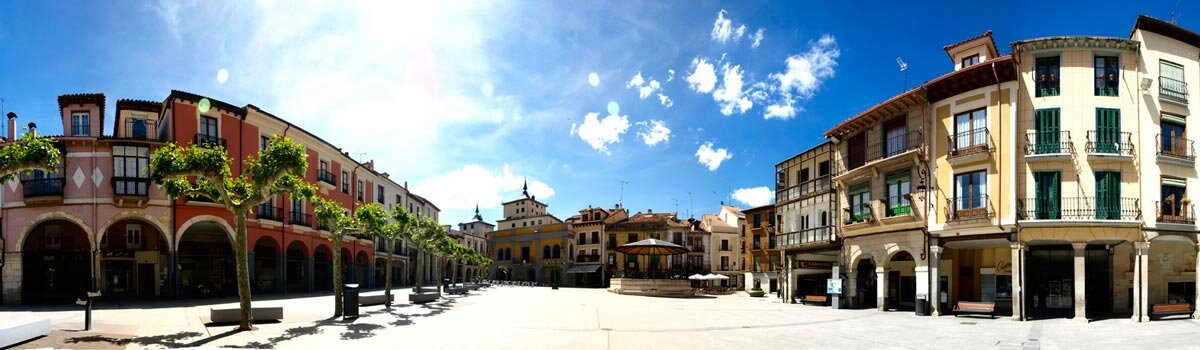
<point x="703" y="77"/>
<point x="804" y="75"/>
<point x="670" y="75"/>
<point x="666" y="101"/>
<point x="730" y="96"/>
<point x="757" y="38"/>
<point x="723" y="29"/>
<point x="471" y="185"/>
<point x="636" y="81"/>
<point x="594" y="79"/>
<point x="754" y="196"/>
<point x="710" y="157"/>
<point x="222" y="76"/>
<point x="487" y="89"/>
<point x="646" y="88"/>
<point x="599" y="133"/>
<point x="653" y="132"/>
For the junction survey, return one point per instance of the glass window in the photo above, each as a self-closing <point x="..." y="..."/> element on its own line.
<point x="1047" y="134"/>
<point x="1173" y="192"/>
<point x="360" y="190"/>
<point x="1174" y="140"/>
<point x="263" y="142"/>
<point x="860" y="199"/>
<point x="81" y="124"/>
<point x="1046" y="69"/>
<point x="131" y="175"/>
<point x="1107" y="74"/>
<point x="898" y="185"/>
<point x="1108" y="138"/>
<point x="133" y="236"/>
<point x="896" y="137"/>
<point x="970" y="128"/>
<point x="970" y="190"/>
<point x="346" y="184"/>
<point x="208" y="127"/>
<point x="1048" y="195"/>
<point x="1108" y="195"/>
<point x="970" y="61"/>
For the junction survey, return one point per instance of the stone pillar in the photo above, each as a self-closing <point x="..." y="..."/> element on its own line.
<point x="1141" y="281"/>
<point x="790" y="286"/>
<point x="309" y="272"/>
<point x="12" y="279"/>
<point x="1080" y="281"/>
<point x="1018" y="281"/>
<point x="281" y="276"/>
<point x="881" y="288"/>
<point x="935" y="288"/>
<point x="850" y="288"/>
<point x="173" y="273"/>
<point x="370" y="275"/>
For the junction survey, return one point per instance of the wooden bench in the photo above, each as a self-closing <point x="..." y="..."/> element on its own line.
<point x="1163" y="310"/>
<point x="820" y="299"/>
<point x="17" y="331"/>
<point x="421" y="298"/>
<point x="374" y="299"/>
<point x="975" y="307"/>
<point x="234" y="314"/>
<point x="457" y="290"/>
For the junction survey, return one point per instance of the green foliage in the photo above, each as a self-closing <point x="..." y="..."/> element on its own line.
<point x="204" y="171"/>
<point x="29" y="153"/>
<point x="335" y="217"/>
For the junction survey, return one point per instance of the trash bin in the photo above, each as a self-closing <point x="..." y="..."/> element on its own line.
<point x="922" y="306"/>
<point x="350" y="300"/>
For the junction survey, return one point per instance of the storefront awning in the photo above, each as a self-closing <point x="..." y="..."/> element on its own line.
<point x="583" y="269"/>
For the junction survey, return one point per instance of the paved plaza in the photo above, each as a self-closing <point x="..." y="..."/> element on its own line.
<point x="542" y="318"/>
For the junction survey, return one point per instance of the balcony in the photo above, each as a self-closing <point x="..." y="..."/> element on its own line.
<point x="44" y="187"/>
<point x="205" y="140"/>
<point x="1176" y="149"/>
<point x="1184" y="214"/>
<point x="269" y="212"/>
<point x="300" y="219"/>
<point x="1052" y="210"/>
<point x="321" y="225"/>
<point x="1172" y="90"/>
<point x="696" y="248"/>
<point x="327" y="177"/>
<point x="588" y="258"/>
<point x="131" y="186"/>
<point x="807" y="237"/>
<point x="969" y="145"/>
<point x="139" y="129"/>
<point x="969" y="208"/>
<point x="813" y="186"/>
<point x="898" y="206"/>
<point x="1109" y="144"/>
<point x="879" y="152"/>
<point x="1048" y="145"/>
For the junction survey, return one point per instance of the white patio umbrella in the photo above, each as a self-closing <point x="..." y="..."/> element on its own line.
<point x="696" y="277"/>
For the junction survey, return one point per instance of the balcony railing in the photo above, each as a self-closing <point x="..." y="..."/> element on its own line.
<point x="1176" y="214"/>
<point x="883" y="149"/>
<point x="321" y="225"/>
<point x="1048" y="142"/>
<point x="696" y="248"/>
<point x="131" y="186"/>
<point x="973" y="207"/>
<point x="823" y="234"/>
<point x="1110" y="142"/>
<point x="269" y="212"/>
<point x="821" y="183"/>
<point x="43" y="187"/>
<point x="1172" y="90"/>
<point x="206" y="140"/>
<point x="897" y="206"/>
<point x="1079" y="208"/>
<point x="1176" y="147"/>
<point x="139" y="129"/>
<point x="969" y="142"/>
<point x="300" y="219"/>
<point x="612" y="244"/>
<point x="327" y="177"/>
<point x="588" y="258"/>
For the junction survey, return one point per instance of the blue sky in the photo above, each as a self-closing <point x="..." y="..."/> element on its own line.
<point x="466" y="100"/>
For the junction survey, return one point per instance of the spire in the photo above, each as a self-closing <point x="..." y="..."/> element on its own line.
<point x="477" y="217"/>
<point x="525" y="189"/>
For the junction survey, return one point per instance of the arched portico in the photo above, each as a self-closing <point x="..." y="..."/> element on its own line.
<point x="56" y="260"/>
<point x="205" y="256"/>
<point x="134" y="259"/>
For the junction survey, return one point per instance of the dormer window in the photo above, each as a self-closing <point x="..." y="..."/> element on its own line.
<point x="970" y="61"/>
<point x="81" y="124"/>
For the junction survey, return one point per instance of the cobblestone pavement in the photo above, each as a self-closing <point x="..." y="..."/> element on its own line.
<point x="541" y="318"/>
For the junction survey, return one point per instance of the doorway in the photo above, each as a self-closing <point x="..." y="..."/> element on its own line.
<point x="146" y="280"/>
<point x="864" y="282"/>
<point x="1051" y="286"/>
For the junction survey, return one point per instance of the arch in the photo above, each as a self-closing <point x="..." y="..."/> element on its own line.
<point x="55" y="215"/>
<point x="274" y="243"/>
<point x="136" y="215"/>
<point x="303" y="248"/>
<point x="556" y="251"/>
<point x="545" y="252"/>
<point x="229" y="231"/>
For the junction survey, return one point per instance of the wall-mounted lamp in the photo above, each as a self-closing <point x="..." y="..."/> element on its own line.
<point x="1146" y="83"/>
<point x="834" y="139"/>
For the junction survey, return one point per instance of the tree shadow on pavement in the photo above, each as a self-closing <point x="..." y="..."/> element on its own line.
<point x="167" y="340"/>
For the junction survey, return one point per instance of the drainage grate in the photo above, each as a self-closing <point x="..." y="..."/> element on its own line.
<point x="967" y="323"/>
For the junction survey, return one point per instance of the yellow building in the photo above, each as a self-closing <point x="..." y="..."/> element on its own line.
<point x="594" y="259"/>
<point x="530" y="244"/>
<point x="762" y="256"/>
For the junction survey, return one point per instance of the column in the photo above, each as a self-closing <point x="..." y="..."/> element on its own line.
<point x="850" y="288"/>
<point x="173" y="273"/>
<point x="281" y="274"/>
<point x="881" y="288"/>
<point x="11" y="293"/>
<point x="1018" y="280"/>
<point x="789" y="292"/>
<point x="308" y="275"/>
<point x="1080" y="281"/>
<point x="1141" y="281"/>
<point x="935" y="288"/>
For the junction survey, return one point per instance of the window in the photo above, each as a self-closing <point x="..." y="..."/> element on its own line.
<point x="823" y="168"/>
<point x="595" y="237"/>
<point x="583" y="238"/>
<point x="898" y="185"/>
<point x="1171" y="83"/>
<point x="131" y="175"/>
<point x="208" y="127"/>
<point x="757" y="220"/>
<point x="545" y="252"/>
<point x="632" y="237"/>
<point x="346" y="184"/>
<point x="1107" y="74"/>
<point x="137" y="126"/>
<point x="970" y="190"/>
<point x="970" y="129"/>
<point x="1047" y="195"/>
<point x="53" y="236"/>
<point x="856" y="146"/>
<point x="133" y="236"/>
<point x="725" y="245"/>
<point x="1046" y="69"/>
<point x="1108" y="131"/>
<point x="379" y="196"/>
<point x="860" y="199"/>
<point x="1174" y="140"/>
<point x="556" y="251"/>
<point x="970" y="61"/>
<point x="1108" y="195"/>
<point x="81" y="124"/>
<point x="581" y="254"/>
<point x="1047" y="135"/>
<point x="595" y="252"/>
<point x="612" y="240"/>
<point x="895" y="136"/>
<point x="803" y="175"/>
<point x="297" y="207"/>
<point x="1173" y="192"/>
<point x="360" y="190"/>
<point x="263" y="142"/>
<point x="398" y="203"/>
<point x="724" y="263"/>
<point x="525" y="253"/>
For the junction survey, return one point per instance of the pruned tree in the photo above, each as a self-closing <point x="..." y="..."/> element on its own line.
<point x="203" y="171"/>
<point x="425" y="234"/>
<point x="374" y="220"/>
<point x="340" y="223"/>
<point x="30" y="152"/>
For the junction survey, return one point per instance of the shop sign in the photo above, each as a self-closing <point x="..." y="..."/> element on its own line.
<point x="833" y="286"/>
<point x="118" y="254"/>
<point x="808" y="264"/>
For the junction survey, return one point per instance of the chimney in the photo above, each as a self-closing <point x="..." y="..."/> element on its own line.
<point x="12" y="126"/>
<point x="649" y="211"/>
<point x="33" y="128"/>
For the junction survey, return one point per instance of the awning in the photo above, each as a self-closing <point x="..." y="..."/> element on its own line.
<point x="583" y="269"/>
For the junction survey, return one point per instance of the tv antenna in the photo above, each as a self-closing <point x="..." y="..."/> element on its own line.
<point x="676" y="204"/>
<point x="621" y="199"/>
<point x="1175" y="13"/>
<point x="903" y="72"/>
<point x="690" y="206"/>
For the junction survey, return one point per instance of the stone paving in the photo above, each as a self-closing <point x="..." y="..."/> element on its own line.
<point x="541" y="318"/>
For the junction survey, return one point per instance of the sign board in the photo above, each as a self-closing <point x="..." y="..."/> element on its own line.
<point x="808" y="264"/>
<point x="833" y="286"/>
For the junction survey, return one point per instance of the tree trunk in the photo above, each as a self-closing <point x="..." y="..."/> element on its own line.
<point x="337" y="276"/>
<point x="420" y="268"/>
<point x="243" y="270"/>
<point x="387" y="276"/>
<point x="454" y="275"/>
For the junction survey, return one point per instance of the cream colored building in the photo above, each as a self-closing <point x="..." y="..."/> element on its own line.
<point x="807" y="206"/>
<point x="724" y="247"/>
<point x="594" y="258"/>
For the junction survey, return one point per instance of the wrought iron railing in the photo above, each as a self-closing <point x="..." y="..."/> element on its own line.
<point x="883" y="149"/>
<point x="131" y="186"/>
<point x="139" y="129"/>
<point x="269" y="212"/>
<point x="1177" y="147"/>
<point x="696" y="248"/>
<point x="972" y="207"/>
<point x="300" y="219"/>
<point x="588" y="258"/>
<point x="1175" y="214"/>
<point x="1079" y="208"/>
<point x="1048" y="142"/>
<point x="206" y="140"/>
<point x="1109" y="142"/>
<point x="969" y="142"/>
<point x="897" y="206"/>
<point x="1172" y="90"/>
<point x="327" y="177"/>
<point x="52" y="186"/>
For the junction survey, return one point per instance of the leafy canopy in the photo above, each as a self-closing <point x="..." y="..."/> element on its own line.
<point x="31" y="152"/>
<point x="203" y="171"/>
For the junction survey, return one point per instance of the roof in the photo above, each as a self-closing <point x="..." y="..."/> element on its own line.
<point x="732" y="208"/>
<point x="714" y="221"/>
<point x="1077" y="41"/>
<point x="84" y="98"/>
<point x="524" y="198"/>
<point x="971" y="78"/>
<point x="652" y="217"/>
<point x="187" y="96"/>
<point x="424" y="201"/>
<point x="1164" y="28"/>
<point x="762" y="208"/>
<point x="986" y="35"/>
<point x="885" y="109"/>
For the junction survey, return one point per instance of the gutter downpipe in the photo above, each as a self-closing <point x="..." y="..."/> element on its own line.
<point x="1020" y="290"/>
<point x="999" y="144"/>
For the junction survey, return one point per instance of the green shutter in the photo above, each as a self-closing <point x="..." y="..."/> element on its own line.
<point x="1046" y="122"/>
<point x="1108" y="131"/>
<point x="1108" y="195"/>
